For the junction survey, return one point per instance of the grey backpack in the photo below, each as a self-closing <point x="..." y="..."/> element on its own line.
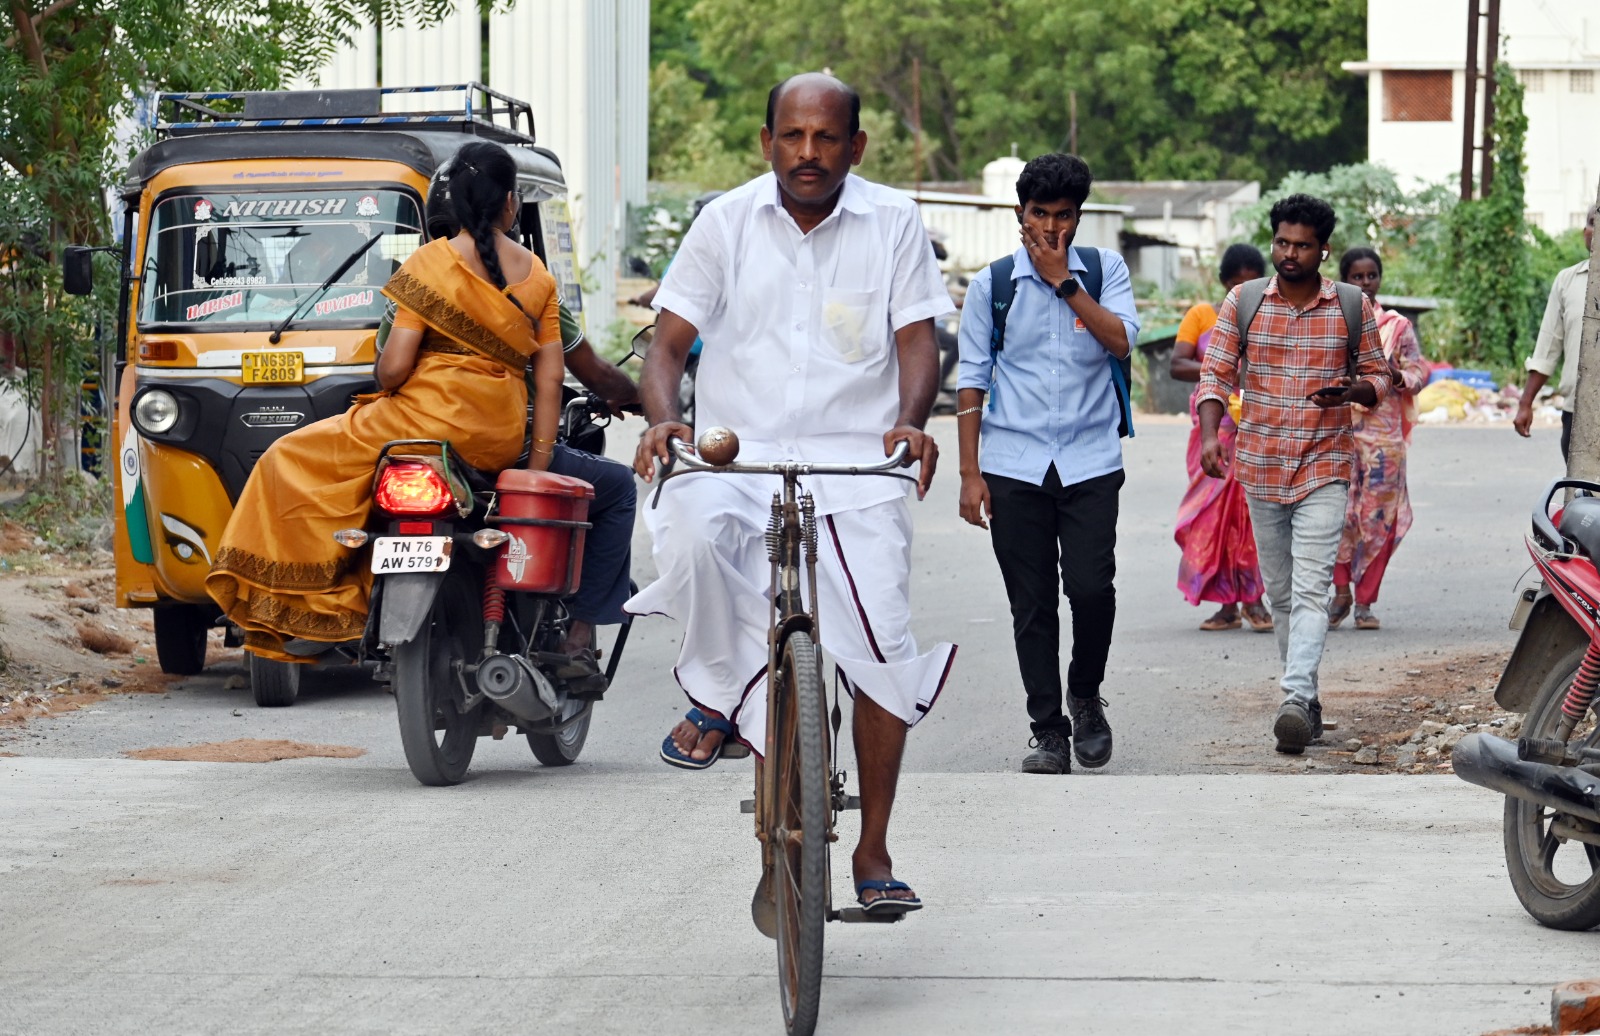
<point x="1252" y="292"/>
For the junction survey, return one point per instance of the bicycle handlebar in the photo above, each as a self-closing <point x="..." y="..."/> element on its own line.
<point x="900" y="458"/>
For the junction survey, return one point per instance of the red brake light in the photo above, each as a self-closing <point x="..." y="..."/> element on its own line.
<point x="411" y="487"/>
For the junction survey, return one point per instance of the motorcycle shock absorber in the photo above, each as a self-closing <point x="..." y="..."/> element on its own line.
<point x="494" y="613"/>
<point x="1580" y="696"/>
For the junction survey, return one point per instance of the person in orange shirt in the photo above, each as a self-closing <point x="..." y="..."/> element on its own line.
<point x="1219" y="550"/>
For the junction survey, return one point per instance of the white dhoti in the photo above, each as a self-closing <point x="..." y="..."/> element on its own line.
<point x="710" y="551"/>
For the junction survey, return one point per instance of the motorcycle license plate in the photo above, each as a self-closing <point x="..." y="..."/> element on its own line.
<point x="391" y="554"/>
<point x="274" y="368"/>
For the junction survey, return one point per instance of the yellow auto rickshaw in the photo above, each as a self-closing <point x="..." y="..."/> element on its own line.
<point x="257" y="232"/>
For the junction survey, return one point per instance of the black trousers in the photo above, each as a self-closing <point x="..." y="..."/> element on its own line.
<point x="1566" y="434"/>
<point x="1036" y="531"/>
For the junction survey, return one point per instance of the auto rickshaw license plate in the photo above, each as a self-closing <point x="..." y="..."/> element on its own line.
<point x="410" y="554"/>
<point x="274" y="368"/>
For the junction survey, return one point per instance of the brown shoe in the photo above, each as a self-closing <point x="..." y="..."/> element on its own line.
<point x="1222" y="621"/>
<point x="1365" y="620"/>
<point x="1339" y="609"/>
<point x="1258" y="617"/>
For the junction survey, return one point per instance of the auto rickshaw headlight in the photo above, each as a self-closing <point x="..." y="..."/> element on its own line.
<point x="156" y="412"/>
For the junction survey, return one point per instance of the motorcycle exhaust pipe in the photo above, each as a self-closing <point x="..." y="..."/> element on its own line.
<point x="516" y="685"/>
<point x="1491" y="762"/>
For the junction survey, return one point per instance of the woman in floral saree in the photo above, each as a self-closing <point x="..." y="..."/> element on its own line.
<point x="472" y="312"/>
<point x="1379" y="512"/>
<point x="1213" y="531"/>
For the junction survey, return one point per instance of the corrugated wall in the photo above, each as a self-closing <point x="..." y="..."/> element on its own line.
<point x="450" y="52"/>
<point x="584" y="66"/>
<point x="633" y="98"/>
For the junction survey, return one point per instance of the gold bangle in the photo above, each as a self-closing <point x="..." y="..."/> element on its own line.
<point x="551" y="442"/>
<point x="968" y="410"/>
<point x="542" y="453"/>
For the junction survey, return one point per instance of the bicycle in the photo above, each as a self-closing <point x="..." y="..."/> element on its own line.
<point x="798" y="794"/>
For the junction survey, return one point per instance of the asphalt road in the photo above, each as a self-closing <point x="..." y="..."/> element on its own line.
<point x="1182" y="701"/>
<point x="337" y="896"/>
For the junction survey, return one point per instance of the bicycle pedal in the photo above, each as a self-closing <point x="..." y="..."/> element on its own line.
<point x="747" y="805"/>
<point x="734" y="750"/>
<point x="851" y="802"/>
<point x="856" y="915"/>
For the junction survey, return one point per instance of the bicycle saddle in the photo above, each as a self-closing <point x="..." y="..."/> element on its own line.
<point x="1580" y="523"/>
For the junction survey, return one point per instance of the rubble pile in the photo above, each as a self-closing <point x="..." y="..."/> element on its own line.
<point x="1428" y="745"/>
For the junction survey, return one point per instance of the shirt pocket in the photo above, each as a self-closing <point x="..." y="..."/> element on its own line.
<point x="854" y="324"/>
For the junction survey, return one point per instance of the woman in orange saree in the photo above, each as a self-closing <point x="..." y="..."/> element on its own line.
<point x="1213" y="531"/>
<point x="471" y="312"/>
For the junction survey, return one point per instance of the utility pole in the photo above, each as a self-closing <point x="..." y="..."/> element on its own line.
<point x="1583" y="459"/>
<point x="1491" y="55"/>
<point x="916" y="120"/>
<point x="1469" y="110"/>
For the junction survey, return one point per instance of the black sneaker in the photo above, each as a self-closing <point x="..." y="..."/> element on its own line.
<point x="1297" y="725"/>
<point x="1091" y="734"/>
<point x="1050" y="754"/>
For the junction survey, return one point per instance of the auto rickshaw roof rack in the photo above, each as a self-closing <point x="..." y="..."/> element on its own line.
<point x="476" y="110"/>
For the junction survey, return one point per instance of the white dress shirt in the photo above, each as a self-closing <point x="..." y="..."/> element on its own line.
<point x="799" y="357"/>
<point x="1560" y="331"/>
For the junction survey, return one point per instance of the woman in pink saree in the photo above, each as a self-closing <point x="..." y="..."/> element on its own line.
<point x="1213" y="531"/>
<point x="1379" y="513"/>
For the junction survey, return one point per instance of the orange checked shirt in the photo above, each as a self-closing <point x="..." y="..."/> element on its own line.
<point x="1288" y="446"/>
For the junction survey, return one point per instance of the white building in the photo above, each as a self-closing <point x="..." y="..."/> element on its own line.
<point x="1416" y="67"/>
<point x="584" y="66"/>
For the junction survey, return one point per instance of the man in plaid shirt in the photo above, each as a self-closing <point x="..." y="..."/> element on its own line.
<point x="1297" y="375"/>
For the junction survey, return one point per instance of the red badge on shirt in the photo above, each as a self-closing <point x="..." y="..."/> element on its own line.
<point x="1077" y="324"/>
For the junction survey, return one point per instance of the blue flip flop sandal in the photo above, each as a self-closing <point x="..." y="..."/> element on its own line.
<point x="703" y="723"/>
<point x="886" y="904"/>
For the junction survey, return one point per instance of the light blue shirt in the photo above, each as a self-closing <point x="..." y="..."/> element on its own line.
<point x="1050" y="391"/>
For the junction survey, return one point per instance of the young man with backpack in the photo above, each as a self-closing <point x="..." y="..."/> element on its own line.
<point x="1298" y="348"/>
<point x="1045" y="335"/>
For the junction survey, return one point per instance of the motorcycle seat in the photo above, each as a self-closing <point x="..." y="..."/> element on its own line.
<point x="1580" y="523"/>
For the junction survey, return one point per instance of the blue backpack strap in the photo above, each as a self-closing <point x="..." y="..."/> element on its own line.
<point x="1121" y="370"/>
<point x="1002" y="290"/>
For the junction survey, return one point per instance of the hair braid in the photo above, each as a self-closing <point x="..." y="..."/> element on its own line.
<point x="481" y="176"/>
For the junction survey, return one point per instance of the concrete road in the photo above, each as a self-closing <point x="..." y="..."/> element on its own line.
<point x="1182" y="701"/>
<point x="336" y="897"/>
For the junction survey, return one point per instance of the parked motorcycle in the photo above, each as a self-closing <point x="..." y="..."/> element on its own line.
<point x="467" y="612"/>
<point x="1551" y="774"/>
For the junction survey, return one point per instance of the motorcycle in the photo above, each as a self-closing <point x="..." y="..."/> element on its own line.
<point x="1551" y="774"/>
<point x="467" y="612"/>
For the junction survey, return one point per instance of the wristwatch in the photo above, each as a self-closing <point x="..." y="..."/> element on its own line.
<point x="1067" y="288"/>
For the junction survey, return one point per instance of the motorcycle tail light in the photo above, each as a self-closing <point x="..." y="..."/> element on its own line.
<point x="414" y="528"/>
<point x="412" y="487"/>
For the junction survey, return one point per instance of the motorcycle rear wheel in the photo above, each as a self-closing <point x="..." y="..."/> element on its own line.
<point x="562" y="749"/>
<point x="438" y="736"/>
<point x="1548" y="875"/>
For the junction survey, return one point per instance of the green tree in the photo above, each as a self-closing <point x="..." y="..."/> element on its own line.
<point x="1491" y="261"/>
<point x="70" y="71"/>
<point x="1163" y="88"/>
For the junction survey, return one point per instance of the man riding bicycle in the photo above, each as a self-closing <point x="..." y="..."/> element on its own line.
<point x="815" y="292"/>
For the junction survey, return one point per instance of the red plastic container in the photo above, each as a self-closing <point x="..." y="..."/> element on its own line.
<point x="541" y="558"/>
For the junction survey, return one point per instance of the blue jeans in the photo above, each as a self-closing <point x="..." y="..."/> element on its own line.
<point x="1297" y="544"/>
<point x="608" y="547"/>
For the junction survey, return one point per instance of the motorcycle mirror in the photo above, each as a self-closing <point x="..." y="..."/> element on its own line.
<point x="77" y="270"/>
<point x="641" y="341"/>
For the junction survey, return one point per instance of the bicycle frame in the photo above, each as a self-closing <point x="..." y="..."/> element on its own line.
<point x="791" y="526"/>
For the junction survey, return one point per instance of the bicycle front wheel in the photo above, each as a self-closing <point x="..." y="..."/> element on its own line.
<point x="799" y="832"/>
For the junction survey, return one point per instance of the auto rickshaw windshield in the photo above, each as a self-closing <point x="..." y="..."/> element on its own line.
<point x="245" y="258"/>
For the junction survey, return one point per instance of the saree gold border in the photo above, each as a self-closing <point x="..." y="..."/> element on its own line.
<point x="428" y="304"/>
<point x="280" y="575"/>
<point x="287" y="620"/>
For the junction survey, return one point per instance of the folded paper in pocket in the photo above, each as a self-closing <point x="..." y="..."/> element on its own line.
<point x="844" y="325"/>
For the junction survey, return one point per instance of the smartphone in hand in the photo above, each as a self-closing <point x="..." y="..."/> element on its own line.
<point x="1330" y="392"/>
